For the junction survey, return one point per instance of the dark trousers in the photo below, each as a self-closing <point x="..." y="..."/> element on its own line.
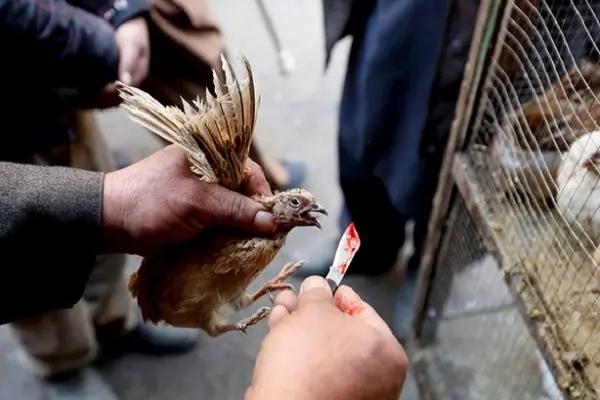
<point x="383" y="111"/>
<point x="382" y="231"/>
<point x="388" y="175"/>
<point x="381" y="227"/>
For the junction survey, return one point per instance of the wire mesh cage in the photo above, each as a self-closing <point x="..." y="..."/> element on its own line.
<point x="509" y="298"/>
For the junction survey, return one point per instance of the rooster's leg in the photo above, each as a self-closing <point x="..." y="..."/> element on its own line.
<point x="243" y="325"/>
<point x="276" y="283"/>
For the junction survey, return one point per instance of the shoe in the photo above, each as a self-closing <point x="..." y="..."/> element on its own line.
<point x="149" y="339"/>
<point x="403" y="312"/>
<point x="296" y="173"/>
<point x="76" y="385"/>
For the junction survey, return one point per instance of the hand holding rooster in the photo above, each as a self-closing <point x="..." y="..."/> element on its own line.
<point x="157" y="202"/>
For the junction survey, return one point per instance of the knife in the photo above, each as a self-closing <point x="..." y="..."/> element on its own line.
<point x="347" y="248"/>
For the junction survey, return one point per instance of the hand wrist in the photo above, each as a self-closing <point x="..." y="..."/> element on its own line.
<point x="114" y="238"/>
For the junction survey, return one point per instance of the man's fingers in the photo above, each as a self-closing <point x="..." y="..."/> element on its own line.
<point x="126" y="78"/>
<point x="140" y="68"/>
<point x="314" y="288"/>
<point x="221" y="206"/>
<point x="110" y="88"/>
<point x="288" y="299"/>
<point x="255" y="181"/>
<point x="107" y="98"/>
<point x="278" y="313"/>
<point x="349" y="302"/>
<point x="133" y="64"/>
<point x="127" y="59"/>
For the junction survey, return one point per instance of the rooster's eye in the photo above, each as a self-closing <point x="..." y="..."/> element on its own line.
<point x="294" y="201"/>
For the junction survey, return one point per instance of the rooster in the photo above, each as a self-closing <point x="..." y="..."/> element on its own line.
<point x="198" y="284"/>
<point x="578" y="184"/>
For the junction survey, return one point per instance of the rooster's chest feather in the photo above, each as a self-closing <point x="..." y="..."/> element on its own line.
<point x="258" y="255"/>
<point x="240" y="261"/>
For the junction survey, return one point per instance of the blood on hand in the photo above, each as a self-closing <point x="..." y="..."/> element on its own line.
<point x="352" y="307"/>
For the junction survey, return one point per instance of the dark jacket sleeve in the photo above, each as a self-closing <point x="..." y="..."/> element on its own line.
<point x="124" y="10"/>
<point x="50" y="220"/>
<point x="116" y="12"/>
<point x="71" y="45"/>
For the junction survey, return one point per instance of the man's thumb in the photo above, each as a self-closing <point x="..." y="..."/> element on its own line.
<point x="226" y="208"/>
<point x="315" y="288"/>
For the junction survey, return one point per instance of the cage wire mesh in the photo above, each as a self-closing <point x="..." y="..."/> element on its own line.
<point x="513" y="308"/>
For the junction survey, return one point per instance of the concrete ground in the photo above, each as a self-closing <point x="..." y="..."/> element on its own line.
<point x="297" y="121"/>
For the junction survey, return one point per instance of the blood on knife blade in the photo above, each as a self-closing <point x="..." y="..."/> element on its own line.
<point x="347" y="248"/>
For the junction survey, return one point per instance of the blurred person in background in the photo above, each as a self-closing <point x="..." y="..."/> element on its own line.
<point x="64" y="57"/>
<point x="182" y="68"/>
<point x="402" y="81"/>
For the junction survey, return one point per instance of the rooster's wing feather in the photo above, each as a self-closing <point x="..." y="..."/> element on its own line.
<point x="216" y="133"/>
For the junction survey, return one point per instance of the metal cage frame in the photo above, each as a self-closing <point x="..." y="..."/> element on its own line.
<point x="490" y="28"/>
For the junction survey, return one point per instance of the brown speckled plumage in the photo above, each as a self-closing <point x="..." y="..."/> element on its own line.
<point x="200" y="282"/>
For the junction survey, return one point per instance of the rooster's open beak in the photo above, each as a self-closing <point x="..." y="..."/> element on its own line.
<point x="309" y="216"/>
<point x="319" y="209"/>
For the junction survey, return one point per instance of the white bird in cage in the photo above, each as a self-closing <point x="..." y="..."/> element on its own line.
<point x="578" y="184"/>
